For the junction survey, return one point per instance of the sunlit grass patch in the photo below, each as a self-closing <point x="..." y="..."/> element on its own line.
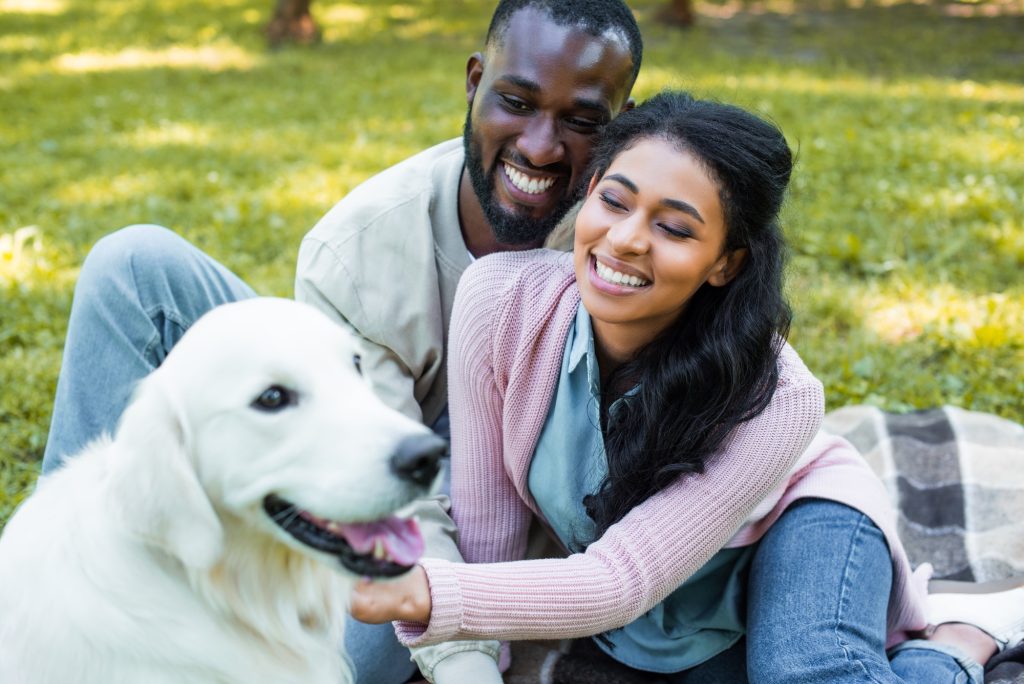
<point x="33" y="6"/>
<point x="206" y="57"/>
<point x="947" y="317"/>
<point x="27" y="261"/>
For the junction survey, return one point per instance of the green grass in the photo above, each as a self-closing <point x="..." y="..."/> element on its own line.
<point x="906" y="217"/>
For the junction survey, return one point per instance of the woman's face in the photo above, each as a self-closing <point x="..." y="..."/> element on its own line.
<point x="649" y="234"/>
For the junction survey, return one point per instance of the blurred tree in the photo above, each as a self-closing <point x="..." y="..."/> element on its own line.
<point x="678" y="12"/>
<point x="292" y="23"/>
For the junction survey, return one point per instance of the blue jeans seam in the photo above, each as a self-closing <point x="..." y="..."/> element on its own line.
<point x="851" y="561"/>
<point x="169" y="314"/>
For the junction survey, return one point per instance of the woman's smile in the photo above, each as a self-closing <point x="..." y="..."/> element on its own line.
<point x="649" y="235"/>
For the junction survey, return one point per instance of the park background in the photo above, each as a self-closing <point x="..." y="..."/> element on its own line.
<point x="906" y="217"/>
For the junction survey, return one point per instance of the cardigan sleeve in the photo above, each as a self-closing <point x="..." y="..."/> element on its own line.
<point x="493" y="520"/>
<point x="639" y="560"/>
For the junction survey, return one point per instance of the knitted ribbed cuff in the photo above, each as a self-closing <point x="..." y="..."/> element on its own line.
<point x="445" y="607"/>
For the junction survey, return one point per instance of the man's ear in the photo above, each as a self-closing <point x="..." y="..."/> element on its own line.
<point x="474" y="72"/>
<point x="728" y="267"/>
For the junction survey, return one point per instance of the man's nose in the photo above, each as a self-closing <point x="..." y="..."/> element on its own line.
<point x="541" y="142"/>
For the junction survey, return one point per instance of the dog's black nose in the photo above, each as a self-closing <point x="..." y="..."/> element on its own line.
<point x="417" y="459"/>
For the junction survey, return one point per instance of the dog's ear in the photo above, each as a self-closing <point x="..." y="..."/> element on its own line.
<point x="156" y="483"/>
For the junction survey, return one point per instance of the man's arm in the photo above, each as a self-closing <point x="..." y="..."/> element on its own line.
<point x="323" y="281"/>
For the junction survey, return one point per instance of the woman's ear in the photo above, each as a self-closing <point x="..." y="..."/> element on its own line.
<point x="728" y="267"/>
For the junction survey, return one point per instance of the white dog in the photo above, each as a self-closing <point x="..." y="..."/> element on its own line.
<point x="216" y="537"/>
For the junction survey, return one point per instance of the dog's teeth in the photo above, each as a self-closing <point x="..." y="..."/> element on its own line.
<point x="379" y="552"/>
<point x="334" y="528"/>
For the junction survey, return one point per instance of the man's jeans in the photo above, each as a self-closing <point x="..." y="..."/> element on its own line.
<point x="816" y="613"/>
<point x="139" y="291"/>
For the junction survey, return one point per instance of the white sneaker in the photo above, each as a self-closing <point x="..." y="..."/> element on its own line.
<point x="996" y="608"/>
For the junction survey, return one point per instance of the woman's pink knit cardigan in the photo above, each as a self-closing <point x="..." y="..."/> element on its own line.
<point x="512" y="315"/>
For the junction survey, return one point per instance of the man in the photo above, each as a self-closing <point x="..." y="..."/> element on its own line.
<point x="386" y="259"/>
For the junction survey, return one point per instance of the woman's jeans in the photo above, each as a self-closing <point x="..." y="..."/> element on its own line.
<point x="139" y="291"/>
<point x="816" y="613"/>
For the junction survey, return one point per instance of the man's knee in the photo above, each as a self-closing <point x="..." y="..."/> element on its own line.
<point x="139" y="261"/>
<point x="140" y="246"/>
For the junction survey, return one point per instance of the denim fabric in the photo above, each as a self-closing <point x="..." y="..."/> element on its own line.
<point x="139" y="291"/>
<point x="819" y="589"/>
<point x="818" y="600"/>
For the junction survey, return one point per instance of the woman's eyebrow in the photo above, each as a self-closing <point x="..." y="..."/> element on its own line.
<point x="684" y="207"/>
<point x="619" y="178"/>
<point x="678" y="205"/>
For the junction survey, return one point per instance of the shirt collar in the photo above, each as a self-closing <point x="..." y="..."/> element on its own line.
<point x="583" y="348"/>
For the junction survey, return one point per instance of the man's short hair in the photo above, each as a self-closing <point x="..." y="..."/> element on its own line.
<point x="596" y="17"/>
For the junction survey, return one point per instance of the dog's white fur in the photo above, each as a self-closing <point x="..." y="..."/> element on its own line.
<point x="148" y="558"/>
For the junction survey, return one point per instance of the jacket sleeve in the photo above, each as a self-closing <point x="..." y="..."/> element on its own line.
<point x="322" y="280"/>
<point x="639" y="560"/>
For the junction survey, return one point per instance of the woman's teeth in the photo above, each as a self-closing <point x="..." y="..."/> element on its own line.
<point x="612" y="276"/>
<point x="531" y="186"/>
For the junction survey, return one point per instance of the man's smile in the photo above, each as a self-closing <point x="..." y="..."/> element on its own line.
<point x="530" y="184"/>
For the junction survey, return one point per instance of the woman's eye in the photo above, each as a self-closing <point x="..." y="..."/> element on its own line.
<point x="357" y="361"/>
<point x="676" y="231"/>
<point x="274" y="398"/>
<point x="611" y="201"/>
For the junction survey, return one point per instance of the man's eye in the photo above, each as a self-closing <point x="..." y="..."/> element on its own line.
<point x="514" y="104"/>
<point x="357" y="361"/>
<point x="585" y="125"/>
<point x="274" y="398"/>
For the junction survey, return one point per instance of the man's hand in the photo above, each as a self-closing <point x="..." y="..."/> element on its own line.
<point x="405" y="598"/>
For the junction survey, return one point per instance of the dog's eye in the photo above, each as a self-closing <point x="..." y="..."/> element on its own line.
<point x="357" y="361"/>
<point x="274" y="398"/>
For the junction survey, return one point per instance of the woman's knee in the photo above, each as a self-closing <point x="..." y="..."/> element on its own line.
<point x="819" y="588"/>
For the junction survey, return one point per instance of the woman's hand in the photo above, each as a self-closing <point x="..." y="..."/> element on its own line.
<point x="404" y="598"/>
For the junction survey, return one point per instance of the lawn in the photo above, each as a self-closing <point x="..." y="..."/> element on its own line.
<point x="906" y="219"/>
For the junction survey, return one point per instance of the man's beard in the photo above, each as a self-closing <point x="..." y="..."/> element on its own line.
<point x="510" y="228"/>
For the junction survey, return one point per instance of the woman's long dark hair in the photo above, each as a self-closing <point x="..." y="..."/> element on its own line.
<point x="717" y="365"/>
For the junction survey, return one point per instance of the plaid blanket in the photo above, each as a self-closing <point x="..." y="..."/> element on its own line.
<point x="957" y="480"/>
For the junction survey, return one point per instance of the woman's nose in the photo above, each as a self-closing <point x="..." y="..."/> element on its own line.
<point x="629" y="236"/>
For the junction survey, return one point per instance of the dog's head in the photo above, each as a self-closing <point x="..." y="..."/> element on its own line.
<point x="260" y="412"/>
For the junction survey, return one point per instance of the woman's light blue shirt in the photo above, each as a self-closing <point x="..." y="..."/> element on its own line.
<point x="701" y="618"/>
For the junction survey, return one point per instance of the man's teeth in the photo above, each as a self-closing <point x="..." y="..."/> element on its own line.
<point x="613" y="276"/>
<point x="531" y="186"/>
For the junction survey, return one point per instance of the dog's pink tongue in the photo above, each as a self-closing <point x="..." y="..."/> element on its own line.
<point x="401" y="538"/>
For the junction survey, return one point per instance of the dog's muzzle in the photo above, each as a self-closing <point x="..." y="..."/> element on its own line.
<point x="383" y="548"/>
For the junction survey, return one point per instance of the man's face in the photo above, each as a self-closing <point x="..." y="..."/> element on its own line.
<point x="538" y="99"/>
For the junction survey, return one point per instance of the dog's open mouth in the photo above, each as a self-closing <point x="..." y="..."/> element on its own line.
<point x="383" y="548"/>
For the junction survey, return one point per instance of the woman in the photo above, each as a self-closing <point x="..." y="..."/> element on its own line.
<point x="639" y="398"/>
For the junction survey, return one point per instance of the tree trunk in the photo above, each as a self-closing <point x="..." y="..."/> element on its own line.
<point x="678" y="12"/>
<point x="292" y="23"/>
